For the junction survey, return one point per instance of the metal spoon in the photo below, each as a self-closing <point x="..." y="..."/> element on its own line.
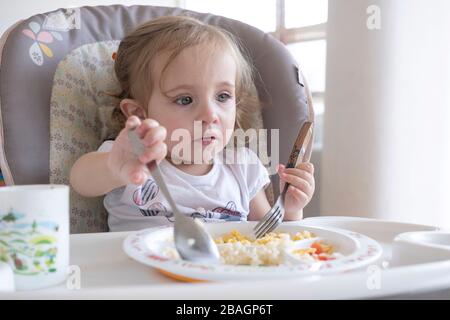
<point x="192" y="241"/>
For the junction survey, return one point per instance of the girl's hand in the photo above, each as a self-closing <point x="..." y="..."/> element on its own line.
<point x="123" y="163"/>
<point x="301" y="189"/>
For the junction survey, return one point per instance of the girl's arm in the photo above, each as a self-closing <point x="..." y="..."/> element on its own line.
<point x="90" y="176"/>
<point x="97" y="173"/>
<point x="259" y="206"/>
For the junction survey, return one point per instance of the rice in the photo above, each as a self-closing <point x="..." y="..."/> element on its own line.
<point x="237" y="249"/>
<point x="238" y="253"/>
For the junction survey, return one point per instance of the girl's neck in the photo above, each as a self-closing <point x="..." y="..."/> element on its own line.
<point x="193" y="169"/>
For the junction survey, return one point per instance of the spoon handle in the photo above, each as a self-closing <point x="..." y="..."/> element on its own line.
<point x="138" y="149"/>
<point x="157" y="175"/>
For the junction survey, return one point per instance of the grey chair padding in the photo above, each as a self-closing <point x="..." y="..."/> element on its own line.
<point x="25" y="87"/>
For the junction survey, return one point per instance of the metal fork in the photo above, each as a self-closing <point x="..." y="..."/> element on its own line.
<point x="192" y="241"/>
<point x="274" y="217"/>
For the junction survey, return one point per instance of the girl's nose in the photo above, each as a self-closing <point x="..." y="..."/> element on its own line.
<point x="208" y="112"/>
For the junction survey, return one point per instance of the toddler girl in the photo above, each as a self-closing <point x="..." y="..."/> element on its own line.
<point x="185" y="87"/>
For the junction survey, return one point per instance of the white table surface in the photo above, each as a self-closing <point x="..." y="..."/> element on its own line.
<point x="108" y="273"/>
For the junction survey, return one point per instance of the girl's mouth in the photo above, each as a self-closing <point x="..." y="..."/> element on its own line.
<point x="208" y="140"/>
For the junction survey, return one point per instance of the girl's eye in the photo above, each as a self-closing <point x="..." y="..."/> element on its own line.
<point x="223" y="97"/>
<point x="184" y="101"/>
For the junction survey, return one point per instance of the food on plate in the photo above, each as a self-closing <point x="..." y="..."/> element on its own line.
<point x="238" y="249"/>
<point x="319" y="250"/>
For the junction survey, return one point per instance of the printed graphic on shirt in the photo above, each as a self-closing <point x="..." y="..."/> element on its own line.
<point x="229" y="213"/>
<point x="146" y="193"/>
<point x="149" y="190"/>
<point x="156" y="209"/>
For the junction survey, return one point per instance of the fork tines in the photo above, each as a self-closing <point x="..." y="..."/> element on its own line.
<point x="270" y="221"/>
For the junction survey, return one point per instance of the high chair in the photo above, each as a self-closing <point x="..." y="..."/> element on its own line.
<point x="56" y="66"/>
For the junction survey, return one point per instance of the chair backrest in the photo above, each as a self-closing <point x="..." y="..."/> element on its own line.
<point x="32" y="72"/>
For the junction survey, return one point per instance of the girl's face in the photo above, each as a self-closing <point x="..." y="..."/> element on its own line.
<point x="197" y="88"/>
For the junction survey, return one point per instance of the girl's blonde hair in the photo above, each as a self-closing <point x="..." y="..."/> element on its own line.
<point x="173" y="34"/>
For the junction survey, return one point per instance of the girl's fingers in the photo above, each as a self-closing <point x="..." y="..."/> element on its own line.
<point x="132" y="122"/>
<point x="298" y="178"/>
<point x="156" y="152"/>
<point x="135" y="172"/>
<point x="154" y="135"/>
<point x="138" y="177"/>
<point x="298" y="194"/>
<point x="299" y="173"/>
<point x="302" y="174"/>
<point x="146" y="125"/>
<point x="302" y="168"/>
<point x="298" y="183"/>
<point x="161" y="153"/>
<point x="307" y="166"/>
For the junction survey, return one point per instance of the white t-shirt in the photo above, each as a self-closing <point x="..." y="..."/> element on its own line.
<point x="223" y="194"/>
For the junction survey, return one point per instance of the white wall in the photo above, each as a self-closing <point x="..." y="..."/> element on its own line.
<point x="387" y="121"/>
<point x="13" y="11"/>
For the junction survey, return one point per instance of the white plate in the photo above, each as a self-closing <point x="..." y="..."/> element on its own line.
<point x="149" y="247"/>
<point x="420" y="247"/>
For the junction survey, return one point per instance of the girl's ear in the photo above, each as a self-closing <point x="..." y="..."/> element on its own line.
<point x="131" y="107"/>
